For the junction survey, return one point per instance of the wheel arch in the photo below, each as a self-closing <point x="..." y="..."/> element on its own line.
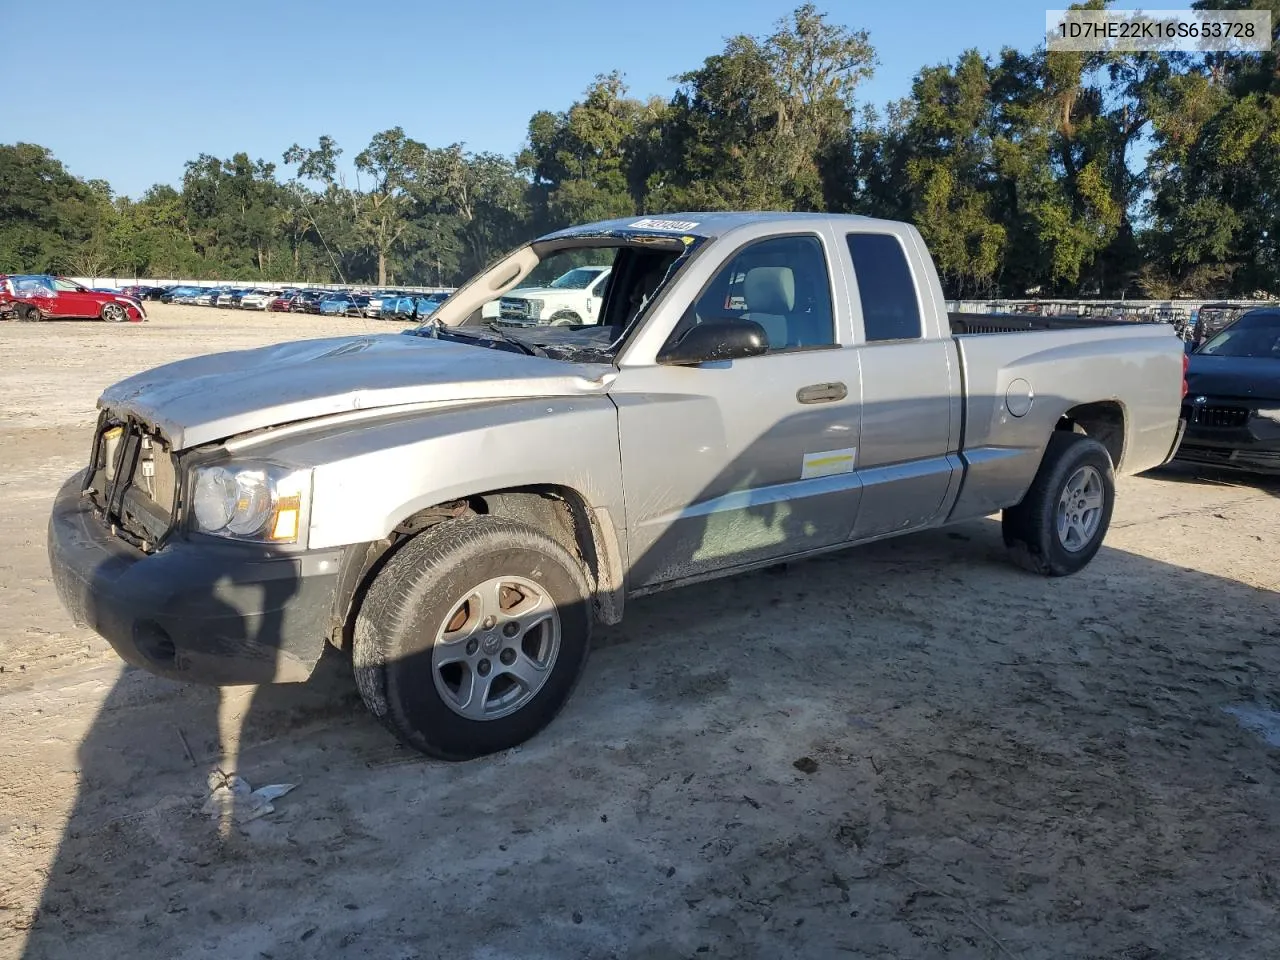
<point x="560" y="511"/>
<point x="1105" y="421"/>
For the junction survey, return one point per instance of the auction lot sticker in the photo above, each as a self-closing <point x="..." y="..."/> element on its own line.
<point x="1137" y="31"/>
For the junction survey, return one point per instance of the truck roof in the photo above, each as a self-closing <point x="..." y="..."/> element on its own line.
<point x="710" y="223"/>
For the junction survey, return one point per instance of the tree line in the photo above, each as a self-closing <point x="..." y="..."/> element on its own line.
<point x="1037" y="173"/>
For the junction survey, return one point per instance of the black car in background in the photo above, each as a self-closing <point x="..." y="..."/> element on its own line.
<point x="308" y="301"/>
<point x="172" y="294"/>
<point x="1232" y="406"/>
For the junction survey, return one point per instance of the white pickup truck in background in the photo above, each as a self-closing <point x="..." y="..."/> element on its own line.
<point x="571" y="299"/>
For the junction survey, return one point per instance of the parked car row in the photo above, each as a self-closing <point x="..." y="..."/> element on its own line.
<point x="388" y="304"/>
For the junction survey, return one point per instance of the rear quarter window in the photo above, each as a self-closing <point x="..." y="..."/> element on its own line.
<point x="886" y="289"/>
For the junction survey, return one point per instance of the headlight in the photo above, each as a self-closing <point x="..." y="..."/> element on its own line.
<point x="535" y="308"/>
<point x="249" y="501"/>
<point x="1272" y="414"/>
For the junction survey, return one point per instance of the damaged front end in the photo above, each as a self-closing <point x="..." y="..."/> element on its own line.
<point x="132" y="481"/>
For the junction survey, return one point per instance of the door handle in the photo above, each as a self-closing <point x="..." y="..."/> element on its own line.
<point x="822" y="392"/>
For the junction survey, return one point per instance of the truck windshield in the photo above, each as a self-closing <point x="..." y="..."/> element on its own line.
<point x="578" y="279"/>
<point x="568" y="324"/>
<point x="1253" y="335"/>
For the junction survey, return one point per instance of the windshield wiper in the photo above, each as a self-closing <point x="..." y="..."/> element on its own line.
<point x="493" y="337"/>
<point x="531" y="348"/>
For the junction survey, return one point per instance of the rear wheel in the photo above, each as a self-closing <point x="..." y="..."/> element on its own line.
<point x="114" y="313"/>
<point x="472" y="637"/>
<point x="1060" y="524"/>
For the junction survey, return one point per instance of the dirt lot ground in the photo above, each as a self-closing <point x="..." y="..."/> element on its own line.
<point x="1001" y="765"/>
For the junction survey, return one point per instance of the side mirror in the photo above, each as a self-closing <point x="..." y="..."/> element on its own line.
<point x="1188" y="346"/>
<point x="717" y="340"/>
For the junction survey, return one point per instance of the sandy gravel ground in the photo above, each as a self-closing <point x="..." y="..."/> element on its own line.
<point x="998" y="765"/>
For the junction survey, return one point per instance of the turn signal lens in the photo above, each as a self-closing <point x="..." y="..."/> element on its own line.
<point x="286" y="525"/>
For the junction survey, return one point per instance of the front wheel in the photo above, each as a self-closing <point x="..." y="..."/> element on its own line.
<point x="566" y="318"/>
<point x="114" y="313"/>
<point x="1060" y="524"/>
<point x="30" y="314"/>
<point x="472" y="637"/>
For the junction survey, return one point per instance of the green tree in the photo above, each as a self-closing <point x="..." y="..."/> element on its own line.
<point x="45" y="212"/>
<point x="580" y="160"/>
<point x="1214" y="208"/>
<point x="767" y="123"/>
<point x="951" y="172"/>
<point x="391" y="160"/>
<point x="477" y="208"/>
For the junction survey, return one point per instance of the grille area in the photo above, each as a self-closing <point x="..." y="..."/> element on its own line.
<point x="513" y="308"/>
<point x="133" y="482"/>
<point x="1215" y="415"/>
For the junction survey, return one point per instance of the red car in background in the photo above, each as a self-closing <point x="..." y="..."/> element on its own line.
<point x="45" y="297"/>
<point x="283" y="303"/>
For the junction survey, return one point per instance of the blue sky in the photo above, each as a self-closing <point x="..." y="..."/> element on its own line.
<point x="132" y="90"/>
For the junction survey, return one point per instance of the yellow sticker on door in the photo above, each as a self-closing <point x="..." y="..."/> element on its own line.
<point x="827" y="463"/>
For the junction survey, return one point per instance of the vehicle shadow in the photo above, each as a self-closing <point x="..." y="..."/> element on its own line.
<point x="907" y="749"/>
<point x="1180" y="471"/>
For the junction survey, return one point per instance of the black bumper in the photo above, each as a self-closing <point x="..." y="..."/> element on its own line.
<point x="198" y="610"/>
<point x="1254" y="447"/>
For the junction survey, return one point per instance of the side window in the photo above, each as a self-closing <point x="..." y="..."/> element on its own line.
<point x="890" y="310"/>
<point x="66" y="285"/>
<point x="597" y="288"/>
<point x="33" y="287"/>
<point x="782" y="284"/>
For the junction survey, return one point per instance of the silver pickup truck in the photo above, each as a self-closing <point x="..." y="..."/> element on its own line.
<point x="458" y="503"/>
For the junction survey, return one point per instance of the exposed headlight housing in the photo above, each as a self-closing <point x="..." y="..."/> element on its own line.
<point x="535" y="308"/>
<point x="259" y="501"/>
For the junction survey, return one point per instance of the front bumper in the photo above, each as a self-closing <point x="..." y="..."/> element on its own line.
<point x="1254" y="446"/>
<point x="196" y="610"/>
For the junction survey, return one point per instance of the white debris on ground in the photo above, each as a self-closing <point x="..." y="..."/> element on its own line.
<point x="1265" y="723"/>
<point x="231" y="797"/>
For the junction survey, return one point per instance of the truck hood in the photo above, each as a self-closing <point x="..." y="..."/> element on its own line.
<point x="223" y="394"/>
<point x="1244" y="377"/>
<point x="529" y="293"/>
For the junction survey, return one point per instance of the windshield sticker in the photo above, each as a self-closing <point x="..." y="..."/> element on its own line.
<point x="828" y="463"/>
<point x="675" y="225"/>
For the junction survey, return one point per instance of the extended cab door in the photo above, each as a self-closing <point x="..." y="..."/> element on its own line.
<point x="911" y="390"/>
<point x="731" y="463"/>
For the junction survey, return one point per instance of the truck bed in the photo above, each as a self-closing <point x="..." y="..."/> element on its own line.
<point x="975" y="323"/>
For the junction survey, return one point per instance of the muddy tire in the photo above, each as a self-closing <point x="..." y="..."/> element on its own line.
<point x="1061" y="522"/>
<point x="565" y="318"/>
<point x="472" y="637"/>
<point x="29" y="314"/>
